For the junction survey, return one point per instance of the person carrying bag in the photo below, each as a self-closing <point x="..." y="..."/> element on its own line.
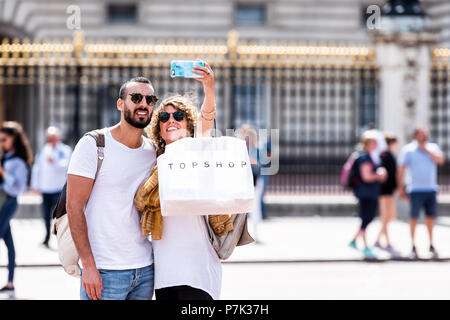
<point x="225" y="231"/>
<point x="67" y="252"/>
<point x="190" y="215"/>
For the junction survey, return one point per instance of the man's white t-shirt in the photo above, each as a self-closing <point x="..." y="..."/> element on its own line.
<point x="112" y="219"/>
<point x="185" y="256"/>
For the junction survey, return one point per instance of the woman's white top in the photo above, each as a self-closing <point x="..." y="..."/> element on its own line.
<point x="185" y="256"/>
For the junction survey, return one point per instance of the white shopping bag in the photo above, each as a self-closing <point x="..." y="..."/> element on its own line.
<point x="205" y="176"/>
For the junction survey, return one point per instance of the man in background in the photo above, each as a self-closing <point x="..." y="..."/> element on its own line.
<point x="49" y="174"/>
<point x="421" y="158"/>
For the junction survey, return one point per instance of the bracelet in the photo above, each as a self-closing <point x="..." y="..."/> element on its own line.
<point x="208" y="119"/>
<point x="209" y="112"/>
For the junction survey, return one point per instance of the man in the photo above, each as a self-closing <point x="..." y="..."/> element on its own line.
<point x="117" y="261"/>
<point x="49" y="174"/>
<point x="421" y="158"/>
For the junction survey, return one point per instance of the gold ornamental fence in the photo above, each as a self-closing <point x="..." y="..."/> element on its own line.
<point x="318" y="95"/>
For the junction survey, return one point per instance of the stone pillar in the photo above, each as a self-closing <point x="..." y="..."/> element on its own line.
<point x="405" y="63"/>
<point x="404" y="60"/>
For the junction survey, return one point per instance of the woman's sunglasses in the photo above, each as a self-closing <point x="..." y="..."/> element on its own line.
<point x="137" y="98"/>
<point x="177" y="115"/>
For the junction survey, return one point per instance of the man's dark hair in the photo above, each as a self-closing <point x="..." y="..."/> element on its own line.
<point x="122" y="90"/>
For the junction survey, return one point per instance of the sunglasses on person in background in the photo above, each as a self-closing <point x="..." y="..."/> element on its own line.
<point x="177" y="115"/>
<point x="137" y="98"/>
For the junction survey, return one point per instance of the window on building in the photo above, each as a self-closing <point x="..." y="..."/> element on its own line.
<point x="122" y="13"/>
<point x="250" y="15"/>
<point x="367" y="100"/>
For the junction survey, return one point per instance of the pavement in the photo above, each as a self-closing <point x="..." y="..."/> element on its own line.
<point x="279" y="239"/>
<point x="294" y="258"/>
<point x="276" y="204"/>
<point x="276" y="281"/>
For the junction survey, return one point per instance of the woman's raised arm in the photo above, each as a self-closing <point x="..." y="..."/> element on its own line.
<point x="208" y="109"/>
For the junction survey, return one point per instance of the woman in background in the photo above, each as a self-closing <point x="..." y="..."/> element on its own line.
<point x="368" y="189"/>
<point x="14" y="169"/>
<point x="388" y="212"/>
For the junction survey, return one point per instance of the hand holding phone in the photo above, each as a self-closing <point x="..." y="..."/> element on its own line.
<point x="184" y="68"/>
<point x="198" y="70"/>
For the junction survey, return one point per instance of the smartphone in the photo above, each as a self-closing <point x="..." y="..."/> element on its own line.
<point x="183" y="68"/>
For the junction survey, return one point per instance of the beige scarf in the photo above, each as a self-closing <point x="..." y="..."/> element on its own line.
<point x="147" y="203"/>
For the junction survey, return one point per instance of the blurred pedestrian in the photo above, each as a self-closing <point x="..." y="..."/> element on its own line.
<point x="368" y="188"/>
<point x="388" y="211"/>
<point x="249" y="134"/>
<point x="421" y="158"/>
<point x="14" y="172"/>
<point x="49" y="174"/>
<point x="265" y="156"/>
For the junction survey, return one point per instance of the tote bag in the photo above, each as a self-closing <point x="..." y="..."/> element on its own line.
<point x="205" y="176"/>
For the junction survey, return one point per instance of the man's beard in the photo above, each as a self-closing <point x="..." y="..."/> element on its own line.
<point x="129" y="117"/>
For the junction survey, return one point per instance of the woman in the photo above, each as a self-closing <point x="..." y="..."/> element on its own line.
<point x="186" y="265"/>
<point x="387" y="202"/>
<point x="14" y="170"/>
<point x="368" y="189"/>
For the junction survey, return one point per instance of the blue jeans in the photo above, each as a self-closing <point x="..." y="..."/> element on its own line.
<point x="8" y="209"/>
<point x="131" y="284"/>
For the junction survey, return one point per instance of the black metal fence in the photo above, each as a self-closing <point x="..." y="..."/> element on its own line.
<point x="440" y="111"/>
<point x="319" y="98"/>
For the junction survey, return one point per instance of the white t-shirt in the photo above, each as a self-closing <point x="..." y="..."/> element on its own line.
<point x="112" y="219"/>
<point x="185" y="256"/>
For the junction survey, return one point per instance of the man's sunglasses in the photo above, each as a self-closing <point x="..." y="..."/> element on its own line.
<point x="137" y="98"/>
<point x="177" y="115"/>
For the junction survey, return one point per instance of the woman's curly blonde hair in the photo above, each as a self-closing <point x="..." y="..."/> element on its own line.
<point x="186" y="103"/>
